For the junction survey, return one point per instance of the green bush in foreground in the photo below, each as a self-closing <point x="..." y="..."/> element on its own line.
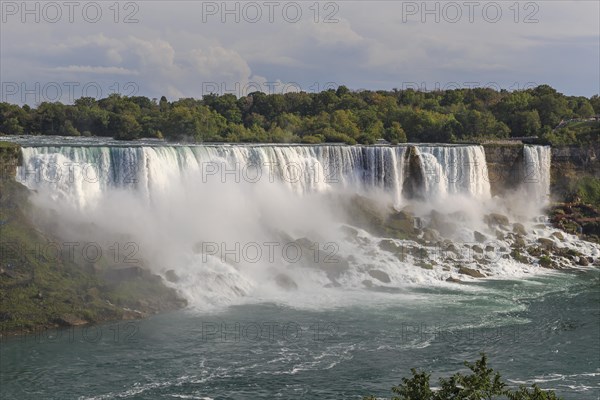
<point x="482" y="384"/>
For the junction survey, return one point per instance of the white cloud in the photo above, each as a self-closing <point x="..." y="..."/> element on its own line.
<point x="96" y="70"/>
<point x="172" y="51"/>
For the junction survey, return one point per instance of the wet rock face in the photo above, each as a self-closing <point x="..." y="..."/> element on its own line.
<point x="479" y="237"/>
<point x="505" y="166"/>
<point x="431" y="235"/>
<point x="379" y="275"/>
<point x="470" y="272"/>
<point x="442" y="223"/>
<point x="401" y="221"/>
<point x="495" y="219"/>
<point x="389" y="245"/>
<point x="519" y="229"/>
<point x="583" y="261"/>
<point x="414" y="180"/>
<point x="171" y="276"/>
<point x="547" y="244"/>
<point x="68" y="320"/>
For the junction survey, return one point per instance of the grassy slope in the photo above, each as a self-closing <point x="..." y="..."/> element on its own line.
<point x="39" y="289"/>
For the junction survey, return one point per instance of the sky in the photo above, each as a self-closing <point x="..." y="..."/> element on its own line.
<point x="63" y="50"/>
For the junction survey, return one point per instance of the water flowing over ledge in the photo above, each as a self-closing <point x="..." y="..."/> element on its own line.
<point x="444" y="170"/>
<point x="219" y="220"/>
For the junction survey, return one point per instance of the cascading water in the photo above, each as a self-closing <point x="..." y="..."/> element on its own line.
<point x="303" y="169"/>
<point x="452" y="170"/>
<point x="537" y="161"/>
<point x="195" y="209"/>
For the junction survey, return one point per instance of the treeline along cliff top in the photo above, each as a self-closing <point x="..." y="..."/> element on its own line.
<point x="342" y="115"/>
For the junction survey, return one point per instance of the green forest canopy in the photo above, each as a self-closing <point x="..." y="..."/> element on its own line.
<point x="342" y="115"/>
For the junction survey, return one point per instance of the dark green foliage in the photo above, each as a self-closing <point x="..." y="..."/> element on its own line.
<point x="342" y="115"/>
<point x="482" y="384"/>
<point x="588" y="190"/>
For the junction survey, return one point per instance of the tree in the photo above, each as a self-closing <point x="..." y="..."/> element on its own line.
<point x="482" y="384"/>
<point x="124" y="127"/>
<point x="525" y="123"/>
<point x="395" y="134"/>
<point x="331" y="115"/>
<point x="595" y="102"/>
<point x="552" y="109"/>
<point x="11" y="126"/>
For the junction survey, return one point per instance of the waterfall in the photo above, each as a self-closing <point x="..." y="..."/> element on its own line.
<point x="223" y="217"/>
<point x="450" y="170"/>
<point x="80" y="174"/>
<point x="536" y="179"/>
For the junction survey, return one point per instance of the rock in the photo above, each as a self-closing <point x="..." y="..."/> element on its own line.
<point x="583" y="261"/>
<point x="470" y="272"/>
<point x="409" y="209"/>
<point x="519" y="229"/>
<point x="401" y="221"/>
<point x="479" y="237"/>
<point x="379" y="275"/>
<point x="516" y="254"/>
<point x="389" y="245"/>
<point x="367" y="283"/>
<point x="495" y="219"/>
<point x="69" y="320"/>
<point x="546" y="243"/>
<point x="365" y="213"/>
<point x="440" y="223"/>
<point x="431" y="235"/>
<point x="546" y="262"/>
<point x="171" y="276"/>
<point x="424" y="265"/>
<point x="335" y="267"/>
<point x="477" y="249"/>
<point x="499" y="235"/>
<point x="129" y="314"/>
<point x="558" y="235"/>
<point x="535" y="251"/>
<point x="447" y="245"/>
<point x="453" y="280"/>
<point x="285" y="282"/>
<point x="520" y="242"/>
